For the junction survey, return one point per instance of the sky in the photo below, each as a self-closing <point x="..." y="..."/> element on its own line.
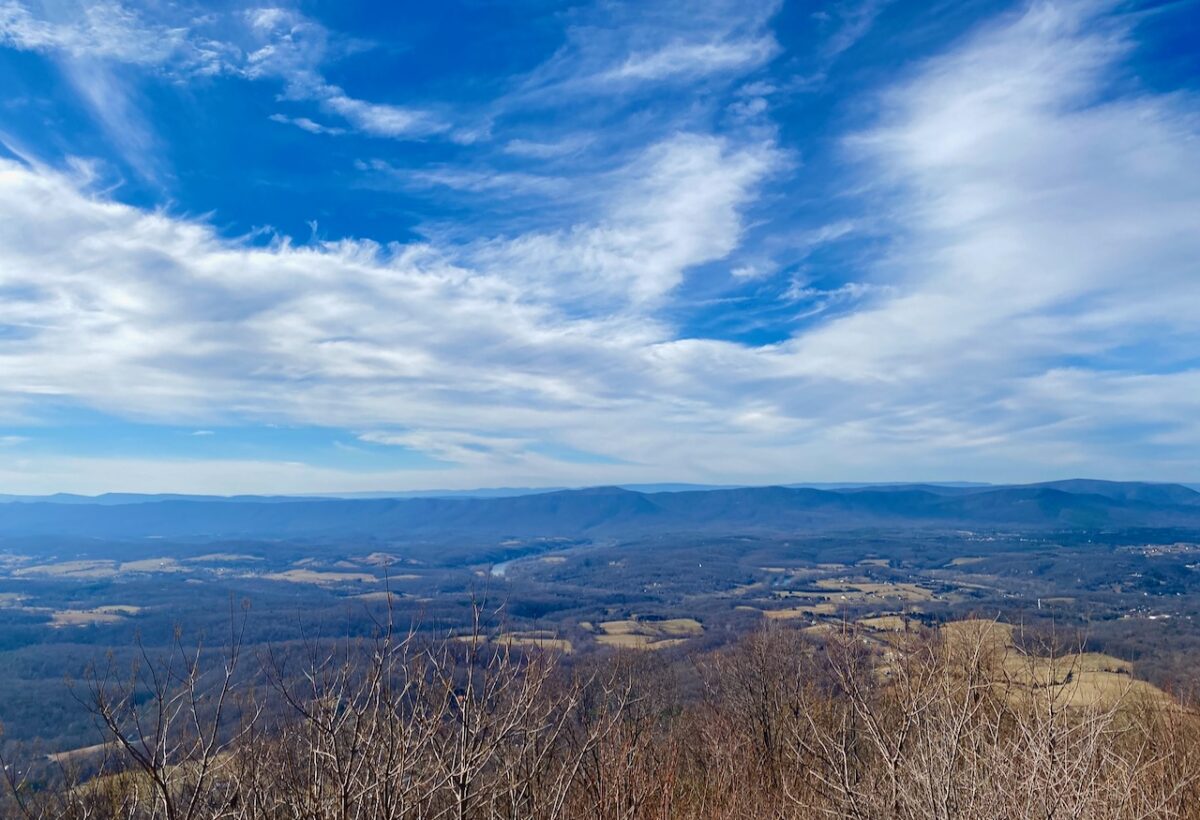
<point x="356" y="246"/>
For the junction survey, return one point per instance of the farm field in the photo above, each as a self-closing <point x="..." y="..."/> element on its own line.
<point x="63" y="605"/>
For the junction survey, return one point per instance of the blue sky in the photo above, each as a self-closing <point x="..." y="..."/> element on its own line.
<point x="349" y="246"/>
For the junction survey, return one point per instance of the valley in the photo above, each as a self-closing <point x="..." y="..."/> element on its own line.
<point x="65" y="601"/>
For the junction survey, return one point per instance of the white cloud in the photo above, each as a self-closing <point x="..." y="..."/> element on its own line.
<point x="547" y="150"/>
<point x="275" y="44"/>
<point x="625" y="46"/>
<point x="305" y="124"/>
<point x="692" y="59"/>
<point x="675" y="207"/>
<point x="94" y="44"/>
<point x="291" y="48"/>
<point x="799" y="290"/>
<point x="851" y="22"/>
<point x="501" y="183"/>
<point x="751" y="271"/>
<point x="88" y="31"/>
<point x="380" y="120"/>
<point x="165" y="321"/>
<point x="1032" y="316"/>
<point x="1037" y="219"/>
<point x="456" y="446"/>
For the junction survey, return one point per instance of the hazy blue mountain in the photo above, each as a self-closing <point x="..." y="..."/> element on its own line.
<point x="1128" y="490"/>
<point x="120" y="499"/>
<point x="110" y="499"/>
<point x="614" y="511"/>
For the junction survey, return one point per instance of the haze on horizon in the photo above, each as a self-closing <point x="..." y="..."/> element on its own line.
<point x="337" y="247"/>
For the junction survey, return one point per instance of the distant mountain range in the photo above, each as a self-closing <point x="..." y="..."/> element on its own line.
<point x="613" y="511"/>
<point x="112" y="499"/>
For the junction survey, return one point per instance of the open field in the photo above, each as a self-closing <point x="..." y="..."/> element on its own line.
<point x="631" y="641"/>
<point x="636" y="633"/>
<point x="860" y="591"/>
<point x="152" y="565"/>
<point x="825" y="608"/>
<point x="98" y="569"/>
<point x="77" y="570"/>
<point x="379" y="595"/>
<point x="223" y="558"/>
<point x="885" y="623"/>
<point x="112" y="613"/>
<point x="539" y="640"/>
<point x="535" y="641"/>
<point x="81" y="753"/>
<point x="1075" y="679"/>
<point x="320" y="578"/>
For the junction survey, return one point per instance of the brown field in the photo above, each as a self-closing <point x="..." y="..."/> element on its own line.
<point x="635" y="633"/>
<point x="70" y="569"/>
<point x="824" y="608"/>
<point x="638" y="642"/>
<point x="379" y="559"/>
<point x="885" y="623"/>
<point x="822" y="629"/>
<point x="110" y="614"/>
<point x="380" y="595"/>
<point x="867" y="591"/>
<point x="75" y="754"/>
<point x="153" y="565"/>
<point x="1083" y="679"/>
<point x="312" y="576"/>
<point x="223" y="557"/>
<point x="536" y="641"/>
<point x="91" y="570"/>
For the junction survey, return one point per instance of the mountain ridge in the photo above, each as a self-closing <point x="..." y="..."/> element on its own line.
<point x="616" y="511"/>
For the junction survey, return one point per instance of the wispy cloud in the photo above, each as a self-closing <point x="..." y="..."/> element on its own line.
<point x="476" y="181"/>
<point x="114" y="104"/>
<point x="1038" y="217"/>
<point x="1031" y="303"/>
<point x="107" y="31"/>
<point x="290" y="48"/>
<point x="646" y="44"/>
<point x="537" y="149"/>
<point x="305" y="124"/>
<point x="674" y="207"/>
<point x="691" y="60"/>
<point x="848" y="23"/>
<point x="269" y="44"/>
